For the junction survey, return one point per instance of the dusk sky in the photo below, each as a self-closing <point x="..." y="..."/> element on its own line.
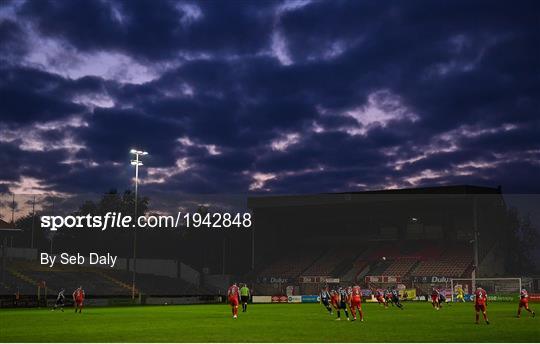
<point x="281" y="97"/>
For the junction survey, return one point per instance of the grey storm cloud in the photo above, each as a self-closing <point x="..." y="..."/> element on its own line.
<point x="294" y="96"/>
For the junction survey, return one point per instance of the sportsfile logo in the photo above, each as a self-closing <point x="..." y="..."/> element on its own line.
<point x="109" y="220"/>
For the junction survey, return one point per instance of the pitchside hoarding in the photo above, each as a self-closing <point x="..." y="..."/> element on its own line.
<point x="408" y="294"/>
<point x="279" y="299"/>
<point x="294" y="299"/>
<point x="503" y="297"/>
<point x="261" y="299"/>
<point x="287" y="299"/>
<point x="500" y="298"/>
<point x="534" y="297"/>
<point x="311" y="298"/>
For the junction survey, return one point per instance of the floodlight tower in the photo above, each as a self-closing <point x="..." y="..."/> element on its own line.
<point x="136" y="162"/>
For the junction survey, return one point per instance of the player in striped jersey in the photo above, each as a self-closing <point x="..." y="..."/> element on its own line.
<point x="343" y="301"/>
<point x="60" y="301"/>
<point x="395" y="298"/>
<point x="325" y="299"/>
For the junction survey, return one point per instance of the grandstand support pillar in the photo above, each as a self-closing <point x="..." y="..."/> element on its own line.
<point x="33" y="222"/>
<point x="475" y="229"/>
<point x="223" y="254"/>
<point x="3" y="243"/>
<point x="252" y="249"/>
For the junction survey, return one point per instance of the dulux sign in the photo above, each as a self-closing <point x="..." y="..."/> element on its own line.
<point x="278" y="280"/>
<point x="435" y="279"/>
<point x="430" y="279"/>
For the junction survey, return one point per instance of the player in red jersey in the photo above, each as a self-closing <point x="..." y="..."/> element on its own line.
<point x="379" y="296"/>
<point x="480" y="303"/>
<point x="349" y="295"/>
<point x="78" y="299"/>
<point x="524" y="302"/>
<point x="334" y="299"/>
<point x="356" y="302"/>
<point x="234" y="297"/>
<point x="435" y="298"/>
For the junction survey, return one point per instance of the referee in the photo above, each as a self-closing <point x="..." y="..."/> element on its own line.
<point x="244" y="297"/>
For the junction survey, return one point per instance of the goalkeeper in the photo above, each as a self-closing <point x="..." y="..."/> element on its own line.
<point x="460" y="297"/>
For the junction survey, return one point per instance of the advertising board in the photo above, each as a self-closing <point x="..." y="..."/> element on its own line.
<point x="294" y="299"/>
<point x="310" y="298"/>
<point x="279" y="299"/>
<point x="262" y="299"/>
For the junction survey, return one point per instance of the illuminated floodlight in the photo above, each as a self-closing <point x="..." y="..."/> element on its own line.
<point x="138" y="152"/>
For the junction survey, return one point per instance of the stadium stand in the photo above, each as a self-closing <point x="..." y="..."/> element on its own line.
<point x="400" y="267"/>
<point x="356" y="269"/>
<point x="25" y="276"/>
<point x="379" y="267"/>
<point x="359" y="266"/>
<point x="12" y="285"/>
<point x="418" y="258"/>
<point x="292" y="264"/>
<point x="161" y="285"/>
<point x="29" y="274"/>
<point x="387" y="250"/>
<point x="328" y="262"/>
<point x="429" y="251"/>
<point x="345" y="250"/>
<point x="453" y="263"/>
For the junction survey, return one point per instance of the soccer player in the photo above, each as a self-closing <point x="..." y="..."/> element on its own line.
<point x="244" y="296"/>
<point x="356" y="302"/>
<point x="60" y="301"/>
<point x="460" y="294"/>
<point x="480" y="303"/>
<point x="388" y="297"/>
<point x="343" y="301"/>
<point x="78" y="299"/>
<point x="325" y="299"/>
<point x="379" y="295"/>
<point x="349" y="297"/>
<point x="233" y="297"/>
<point x="442" y="298"/>
<point x="395" y="298"/>
<point x="334" y="299"/>
<point x="524" y="302"/>
<point x="435" y="298"/>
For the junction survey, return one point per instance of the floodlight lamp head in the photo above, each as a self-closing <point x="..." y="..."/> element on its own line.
<point x="139" y="152"/>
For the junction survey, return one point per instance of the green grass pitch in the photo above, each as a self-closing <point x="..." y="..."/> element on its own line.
<point x="267" y="323"/>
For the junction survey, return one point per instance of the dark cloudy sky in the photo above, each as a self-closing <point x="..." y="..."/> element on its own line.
<point x="288" y="96"/>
